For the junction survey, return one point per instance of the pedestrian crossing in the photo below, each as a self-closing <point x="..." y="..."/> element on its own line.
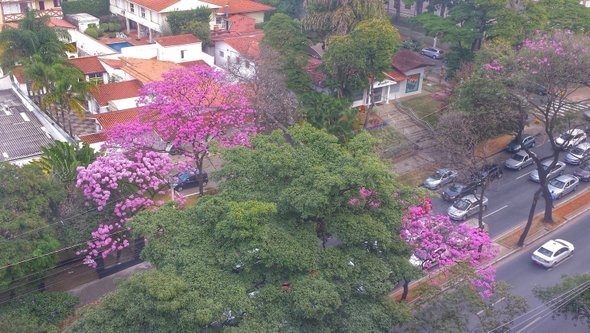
<point x="571" y="110"/>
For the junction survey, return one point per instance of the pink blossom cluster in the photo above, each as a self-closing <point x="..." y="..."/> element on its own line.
<point x="437" y="240"/>
<point x="129" y="182"/>
<point x="493" y="66"/>
<point x="366" y="198"/>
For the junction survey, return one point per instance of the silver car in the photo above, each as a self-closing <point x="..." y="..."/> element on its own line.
<point x="557" y="170"/>
<point x="433" y="52"/>
<point x="439" y="178"/>
<point x="519" y="160"/>
<point x="570" y="138"/>
<point x="583" y="172"/>
<point x="466" y="206"/>
<point x="580" y="153"/>
<point x="562" y="185"/>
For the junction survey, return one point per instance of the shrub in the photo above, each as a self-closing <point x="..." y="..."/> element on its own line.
<point x="93" y="32"/>
<point x="96" y="8"/>
<point x="116" y="27"/>
<point x="39" y="312"/>
<point x="104" y="27"/>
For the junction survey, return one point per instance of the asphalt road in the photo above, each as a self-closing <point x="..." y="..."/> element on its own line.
<point x="510" y="198"/>
<point x="523" y="275"/>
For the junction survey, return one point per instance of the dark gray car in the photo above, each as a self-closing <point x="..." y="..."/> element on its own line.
<point x="527" y="141"/>
<point x="583" y="172"/>
<point x="457" y="190"/>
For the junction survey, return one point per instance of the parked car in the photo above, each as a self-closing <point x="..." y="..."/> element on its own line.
<point x="439" y="178"/>
<point x="457" y="190"/>
<point x="587" y="114"/>
<point x="423" y="260"/>
<point x="527" y="141"/>
<point x="433" y="52"/>
<point x="552" y="252"/>
<point x="557" y="170"/>
<point x="188" y="179"/>
<point x="536" y="88"/>
<point x="519" y="160"/>
<point x="583" y="171"/>
<point x="488" y="172"/>
<point x="579" y="154"/>
<point x="562" y="185"/>
<point x="466" y="206"/>
<point x="570" y="138"/>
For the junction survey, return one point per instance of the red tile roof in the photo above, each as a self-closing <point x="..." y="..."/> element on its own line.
<point x="177" y="40"/>
<point x="147" y="70"/>
<point x="396" y="75"/>
<point x="59" y="23"/>
<point x="193" y="63"/>
<point x="156" y="5"/>
<point x="242" y="23"/>
<point x="94" y="138"/>
<point x="318" y="77"/>
<point x="88" y="65"/>
<point x="108" y="120"/>
<point x="105" y="93"/>
<point x="240" y="6"/>
<point x="19" y="74"/>
<point x="405" y="60"/>
<point x="248" y="46"/>
<point x="115" y="63"/>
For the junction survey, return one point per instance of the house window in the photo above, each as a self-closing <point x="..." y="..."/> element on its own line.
<point x="42" y="5"/>
<point x="95" y="77"/>
<point x="219" y="20"/>
<point x="182" y="53"/>
<point x="132" y="8"/>
<point x="142" y="12"/>
<point x="221" y="54"/>
<point x="56" y="3"/>
<point x="358" y="95"/>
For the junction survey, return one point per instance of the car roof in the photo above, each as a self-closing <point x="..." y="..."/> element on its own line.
<point x="522" y="153"/>
<point x="584" y="145"/>
<point x="548" y="162"/>
<point x="565" y="178"/>
<point x="471" y="198"/>
<point x="574" y="131"/>
<point x="553" y="245"/>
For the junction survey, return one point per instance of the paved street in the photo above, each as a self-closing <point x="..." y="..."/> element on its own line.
<point x="520" y="272"/>
<point x="510" y="198"/>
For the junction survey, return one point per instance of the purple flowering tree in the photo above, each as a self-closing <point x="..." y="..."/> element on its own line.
<point x="130" y="181"/>
<point x="189" y="109"/>
<point x="438" y="241"/>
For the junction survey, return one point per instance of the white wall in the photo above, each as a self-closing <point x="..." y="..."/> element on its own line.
<point x="192" y="52"/>
<point x="88" y="44"/>
<point x="82" y="26"/>
<point x="141" y="51"/>
<point x="123" y="104"/>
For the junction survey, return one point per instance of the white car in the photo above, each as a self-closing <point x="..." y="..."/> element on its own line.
<point x="579" y="154"/>
<point x="466" y="206"/>
<point x="562" y="185"/>
<point x="557" y="170"/>
<point x="570" y="138"/>
<point x="552" y="252"/>
<point x="439" y="178"/>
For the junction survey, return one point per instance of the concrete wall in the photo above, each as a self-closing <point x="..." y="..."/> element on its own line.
<point x="141" y="51"/>
<point x="174" y="53"/>
<point x="123" y="104"/>
<point x="88" y="45"/>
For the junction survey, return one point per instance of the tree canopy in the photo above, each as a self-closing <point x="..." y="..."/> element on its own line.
<point x="303" y="236"/>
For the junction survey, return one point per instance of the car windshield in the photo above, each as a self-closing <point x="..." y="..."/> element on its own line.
<point x="577" y="151"/>
<point x="545" y="252"/>
<point x="557" y="183"/>
<point x="518" y="157"/>
<point x="566" y="136"/>
<point x="437" y="175"/>
<point x="456" y="188"/>
<point x="461" y="204"/>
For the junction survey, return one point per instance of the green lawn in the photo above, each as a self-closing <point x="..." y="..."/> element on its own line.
<point x="424" y="107"/>
<point x="392" y="143"/>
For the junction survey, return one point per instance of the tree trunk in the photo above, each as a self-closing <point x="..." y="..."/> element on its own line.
<point x="419" y="7"/>
<point x="548" y="215"/>
<point x="406" y="289"/>
<point x="371" y="103"/>
<point x="481" y="207"/>
<point x="397" y="5"/>
<point x="199" y="160"/>
<point x="529" y="222"/>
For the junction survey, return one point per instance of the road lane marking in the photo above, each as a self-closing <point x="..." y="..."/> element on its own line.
<point x="524" y="175"/>
<point x="494" y="212"/>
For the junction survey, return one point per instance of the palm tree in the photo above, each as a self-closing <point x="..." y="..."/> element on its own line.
<point x="37" y="72"/>
<point x="67" y="92"/>
<point x="339" y="16"/>
<point x="61" y="159"/>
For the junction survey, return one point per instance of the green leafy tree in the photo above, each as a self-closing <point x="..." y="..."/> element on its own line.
<point x="342" y="62"/>
<point x="199" y="29"/>
<point x="61" y="159"/>
<point x="178" y="20"/>
<point x="569" y="299"/>
<point x="302" y="237"/>
<point x="37" y="312"/>
<point x="293" y="8"/>
<point x="28" y="203"/>
<point x="330" y="113"/>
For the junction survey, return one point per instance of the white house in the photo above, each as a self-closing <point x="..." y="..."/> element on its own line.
<point x="124" y="94"/>
<point x="92" y="68"/>
<point x="238" y="54"/>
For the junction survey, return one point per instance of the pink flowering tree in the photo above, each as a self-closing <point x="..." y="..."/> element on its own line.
<point x="128" y="183"/>
<point x="189" y="109"/>
<point x="436" y="240"/>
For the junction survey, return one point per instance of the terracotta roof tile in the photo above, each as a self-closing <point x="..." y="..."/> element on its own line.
<point x="242" y="23"/>
<point x="88" y="65"/>
<point x="19" y="74"/>
<point x="248" y="46"/>
<point x="93" y="138"/>
<point x="108" y="120"/>
<point x="60" y="23"/>
<point x="193" y="63"/>
<point x="177" y="40"/>
<point x="156" y="5"/>
<point x="396" y="75"/>
<point x="405" y="60"/>
<point x="105" y="93"/>
<point x="240" y="6"/>
<point x="147" y="70"/>
<point x="115" y="63"/>
<point x="318" y="77"/>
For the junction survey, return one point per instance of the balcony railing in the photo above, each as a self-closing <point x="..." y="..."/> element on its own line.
<point x="53" y="12"/>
